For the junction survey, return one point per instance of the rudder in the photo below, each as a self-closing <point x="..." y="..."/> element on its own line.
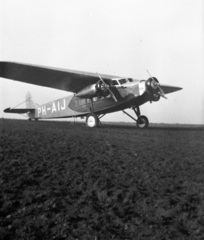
<point x="29" y="101"/>
<point x="29" y="105"/>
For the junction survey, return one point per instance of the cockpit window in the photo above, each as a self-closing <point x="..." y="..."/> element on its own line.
<point x="122" y="81"/>
<point x="114" y="82"/>
<point x="130" y="79"/>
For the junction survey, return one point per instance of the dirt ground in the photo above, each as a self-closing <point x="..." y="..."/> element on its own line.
<point x="62" y="181"/>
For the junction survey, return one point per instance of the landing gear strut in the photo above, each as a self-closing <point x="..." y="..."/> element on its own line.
<point x="92" y="119"/>
<point x="142" y="121"/>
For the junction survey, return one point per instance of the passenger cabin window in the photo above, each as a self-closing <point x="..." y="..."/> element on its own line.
<point x="114" y="82"/>
<point x="123" y="81"/>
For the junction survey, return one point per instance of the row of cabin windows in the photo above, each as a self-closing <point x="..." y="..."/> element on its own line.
<point x="84" y="101"/>
<point x="121" y="81"/>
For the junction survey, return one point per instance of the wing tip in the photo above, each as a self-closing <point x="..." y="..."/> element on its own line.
<point x="179" y="88"/>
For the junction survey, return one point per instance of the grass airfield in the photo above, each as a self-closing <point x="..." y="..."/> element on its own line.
<point x="66" y="181"/>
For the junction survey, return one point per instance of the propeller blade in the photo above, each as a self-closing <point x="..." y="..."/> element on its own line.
<point x="102" y="80"/>
<point x="108" y="88"/>
<point x="113" y="96"/>
<point x="149" y="73"/>
<point x="161" y="93"/>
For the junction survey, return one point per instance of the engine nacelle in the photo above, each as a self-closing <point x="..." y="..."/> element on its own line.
<point x="154" y="97"/>
<point x="102" y="89"/>
<point x="152" y="84"/>
<point x="150" y="88"/>
<point x="94" y="90"/>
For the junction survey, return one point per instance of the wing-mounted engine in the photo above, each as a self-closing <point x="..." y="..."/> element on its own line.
<point x="98" y="89"/>
<point x="102" y="89"/>
<point x="152" y="89"/>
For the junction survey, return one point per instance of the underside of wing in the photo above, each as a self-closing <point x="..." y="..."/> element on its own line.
<point x="19" y="110"/>
<point x="67" y="80"/>
<point x="169" y="89"/>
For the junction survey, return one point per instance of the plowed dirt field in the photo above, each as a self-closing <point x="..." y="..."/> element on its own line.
<point x="62" y="181"/>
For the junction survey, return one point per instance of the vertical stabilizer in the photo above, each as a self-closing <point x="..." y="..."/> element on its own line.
<point x="30" y="104"/>
<point x="29" y="101"/>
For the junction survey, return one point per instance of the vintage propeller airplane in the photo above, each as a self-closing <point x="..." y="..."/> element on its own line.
<point x="94" y="94"/>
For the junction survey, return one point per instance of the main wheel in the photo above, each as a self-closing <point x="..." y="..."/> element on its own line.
<point x="142" y="122"/>
<point x="92" y="120"/>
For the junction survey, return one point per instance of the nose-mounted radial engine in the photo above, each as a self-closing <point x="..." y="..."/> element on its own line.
<point x="153" y="90"/>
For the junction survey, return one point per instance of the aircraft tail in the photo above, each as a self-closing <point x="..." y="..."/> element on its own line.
<point x="29" y="110"/>
<point x="29" y="101"/>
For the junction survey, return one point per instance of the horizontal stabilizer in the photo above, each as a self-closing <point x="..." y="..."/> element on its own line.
<point x="19" y="110"/>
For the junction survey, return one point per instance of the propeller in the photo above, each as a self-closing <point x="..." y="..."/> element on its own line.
<point x="108" y="88"/>
<point x="156" y="84"/>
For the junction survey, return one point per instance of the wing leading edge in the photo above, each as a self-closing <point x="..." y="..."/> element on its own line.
<point x="67" y="80"/>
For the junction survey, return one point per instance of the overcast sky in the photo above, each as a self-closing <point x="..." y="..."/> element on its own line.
<point x="116" y="37"/>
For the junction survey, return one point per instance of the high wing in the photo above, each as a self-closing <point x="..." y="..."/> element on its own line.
<point x="67" y="80"/>
<point x="19" y="110"/>
<point x="62" y="79"/>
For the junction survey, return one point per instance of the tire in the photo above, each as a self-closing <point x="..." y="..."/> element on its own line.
<point x="92" y="120"/>
<point x="142" y="122"/>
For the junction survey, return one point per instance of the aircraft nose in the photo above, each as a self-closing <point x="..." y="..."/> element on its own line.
<point x="152" y="84"/>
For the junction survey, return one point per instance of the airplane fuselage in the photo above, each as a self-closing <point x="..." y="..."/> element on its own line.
<point x="128" y="94"/>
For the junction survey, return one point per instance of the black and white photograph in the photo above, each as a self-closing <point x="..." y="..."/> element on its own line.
<point x="101" y="119"/>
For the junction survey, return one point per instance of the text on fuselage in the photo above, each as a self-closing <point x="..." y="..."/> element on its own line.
<point x="52" y="107"/>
